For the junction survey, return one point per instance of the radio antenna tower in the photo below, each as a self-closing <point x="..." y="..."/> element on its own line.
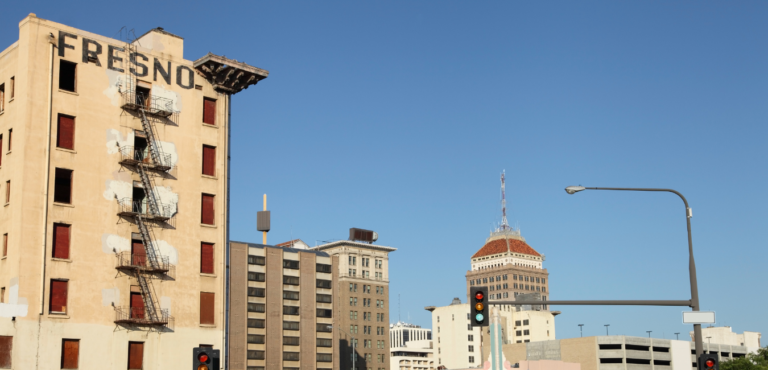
<point x="504" y="224"/>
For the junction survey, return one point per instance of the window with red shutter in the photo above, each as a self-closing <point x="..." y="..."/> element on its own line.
<point x="206" y="216"/>
<point x="6" y="349"/>
<point x="58" y="300"/>
<point x="209" y="160"/>
<point x="206" y="308"/>
<point x="61" y="241"/>
<point x="66" y="132"/>
<point x="70" y="353"/>
<point x="206" y="258"/>
<point x="135" y="355"/>
<point x="209" y="111"/>
<point x="137" y="306"/>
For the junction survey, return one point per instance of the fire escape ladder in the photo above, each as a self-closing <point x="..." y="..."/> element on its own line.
<point x="155" y="150"/>
<point x="149" y="246"/>
<point x="149" y="296"/>
<point x="154" y="206"/>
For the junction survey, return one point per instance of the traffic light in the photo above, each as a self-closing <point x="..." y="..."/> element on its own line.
<point x="708" y="361"/>
<point x="478" y="302"/>
<point x="205" y="358"/>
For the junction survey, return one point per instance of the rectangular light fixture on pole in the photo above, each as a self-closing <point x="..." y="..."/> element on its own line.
<point x="698" y="317"/>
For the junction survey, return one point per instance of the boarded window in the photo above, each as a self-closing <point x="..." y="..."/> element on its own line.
<point x="209" y="111"/>
<point x="6" y="348"/>
<point x="61" y="241"/>
<point x="206" y="308"/>
<point x="206" y="216"/>
<point x="137" y="306"/>
<point x="5" y="244"/>
<point x="209" y="160"/>
<point x="135" y="355"/>
<point x="206" y="258"/>
<point x="62" y="192"/>
<point x="70" y="351"/>
<point x="58" y="298"/>
<point x="65" y="132"/>
<point x="67" y="75"/>
<point x="138" y="253"/>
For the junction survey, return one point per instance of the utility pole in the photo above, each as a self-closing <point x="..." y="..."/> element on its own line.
<point x="581" y="330"/>
<point x="606" y="328"/>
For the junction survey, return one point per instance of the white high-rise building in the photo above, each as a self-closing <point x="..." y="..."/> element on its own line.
<point x="410" y="347"/>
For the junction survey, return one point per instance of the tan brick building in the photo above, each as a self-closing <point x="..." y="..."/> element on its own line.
<point x="364" y="303"/>
<point x="113" y="169"/>
<point x="282" y="304"/>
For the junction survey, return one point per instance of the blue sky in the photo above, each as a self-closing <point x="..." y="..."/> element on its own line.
<point x="399" y="117"/>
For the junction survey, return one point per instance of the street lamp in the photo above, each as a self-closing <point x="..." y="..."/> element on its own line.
<point x="649" y="333"/>
<point x="351" y="344"/>
<point x="581" y="330"/>
<point x="691" y="264"/>
<point x="677" y="335"/>
<point x="606" y="328"/>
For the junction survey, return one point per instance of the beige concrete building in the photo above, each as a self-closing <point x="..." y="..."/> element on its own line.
<point x="458" y="344"/>
<point x="114" y="173"/>
<point x="508" y="266"/>
<point x="364" y="296"/>
<point x="413" y="355"/>
<point x="618" y="352"/>
<point x="282" y="304"/>
<point x="724" y="335"/>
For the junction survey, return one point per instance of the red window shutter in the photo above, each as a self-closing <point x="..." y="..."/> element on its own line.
<point x="61" y="241"/>
<point x="137" y="306"/>
<point x="206" y="258"/>
<point x="66" y="133"/>
<point x="70" y="351"/>
<point x="207" y="210"/>
<point x="6" y="348"/>
<point x="209" y="111"/>
<point x="135" y="355"/>
<point x="206" y="308"/>
<point x="209" y="160"/>
<point x="58" y="302"/>
<point x="138" y="253"/>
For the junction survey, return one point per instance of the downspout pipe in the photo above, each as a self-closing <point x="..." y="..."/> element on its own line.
<point x="226" y="247"/>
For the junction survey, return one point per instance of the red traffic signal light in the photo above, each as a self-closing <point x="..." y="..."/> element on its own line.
<point x="479" y="296"/>
<point x="203" y="357"/>
<point x="710" y="363"/>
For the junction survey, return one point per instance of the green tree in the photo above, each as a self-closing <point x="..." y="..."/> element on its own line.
<point x="752" y="361"/>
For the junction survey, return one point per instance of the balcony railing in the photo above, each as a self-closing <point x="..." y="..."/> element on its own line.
<point x="140" y="261"/>
<point x="131" y="156"/>
<point x="129" y="207"/>
<point x="154" y="105"/>
<point x="139" y="316"/>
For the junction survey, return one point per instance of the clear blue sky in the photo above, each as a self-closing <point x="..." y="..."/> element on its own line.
<point x="398" y="116"/>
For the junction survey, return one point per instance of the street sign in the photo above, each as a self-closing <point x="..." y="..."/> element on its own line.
<point x="698" y="317"/>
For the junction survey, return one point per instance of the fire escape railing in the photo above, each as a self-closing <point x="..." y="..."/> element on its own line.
<point x="150" y="264"/>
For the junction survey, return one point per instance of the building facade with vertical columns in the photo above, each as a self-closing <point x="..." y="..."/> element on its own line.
<point x="363" y="303"/>
<point x="114" y="173"/>
<point x="283" y="305"/>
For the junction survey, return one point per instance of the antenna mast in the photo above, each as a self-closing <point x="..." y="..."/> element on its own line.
<point x="504" y="224"/>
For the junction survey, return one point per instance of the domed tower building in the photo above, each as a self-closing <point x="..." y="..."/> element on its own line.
<point x="508" y="266"/>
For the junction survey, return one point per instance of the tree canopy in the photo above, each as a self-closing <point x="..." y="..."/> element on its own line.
<point x="752" y="361"/>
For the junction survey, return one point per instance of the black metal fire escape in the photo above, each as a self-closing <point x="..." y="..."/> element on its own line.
<point x="147" y="213"/>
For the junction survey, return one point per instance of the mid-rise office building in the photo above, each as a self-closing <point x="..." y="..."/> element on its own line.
<point x="281" y="311"/>
<point x="414" y="355"/>
<point x="363" y="318"/>
<point x="401" y="333"/>
<point x="725" y="335"/>
<point x="113" y="169"/>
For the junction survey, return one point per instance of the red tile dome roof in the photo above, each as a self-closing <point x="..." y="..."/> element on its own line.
<point x="500" y="246"/>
